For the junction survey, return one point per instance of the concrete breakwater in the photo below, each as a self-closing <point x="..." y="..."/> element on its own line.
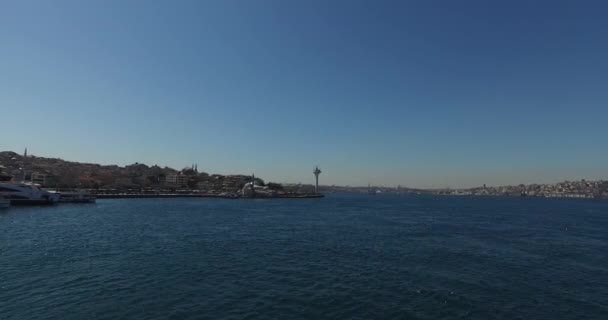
<point x="129" y="196"/>
<point x="204" y="195"/>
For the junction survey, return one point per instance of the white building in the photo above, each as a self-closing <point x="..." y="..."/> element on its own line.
<point x="182" y="180"/>
<point x="38" y="178"/>
<point x="175" y="179"/>
<point x="170" y="179"/>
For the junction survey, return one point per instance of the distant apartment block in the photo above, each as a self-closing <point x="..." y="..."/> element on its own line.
<point x="123" y="181"/>
<point x="175" y="179"/>
<point x="38" y="178"/>
<point x="182" y="180"/>
<point x="169" y="179"/>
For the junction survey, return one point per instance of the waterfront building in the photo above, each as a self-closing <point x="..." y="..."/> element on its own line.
<point x="203" y="186"/>
<point x="169" y="179"/>
<point x="140" y="180"/>
<point x="253" y="190"/>
<point x="38" y="178"/>
<point x="182" y="180"/>
<point x="123" y="182"/>
<point x="175" y="179"/>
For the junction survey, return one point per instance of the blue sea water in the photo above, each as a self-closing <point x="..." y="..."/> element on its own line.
<point x="341" y="257"/>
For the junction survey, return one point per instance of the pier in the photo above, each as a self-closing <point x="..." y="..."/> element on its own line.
<point x="203" y="195"/>
<point x="144" y="195"/>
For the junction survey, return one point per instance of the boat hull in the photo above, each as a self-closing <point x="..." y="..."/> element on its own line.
<point x="76" y="200"/>
<point x="32" y="202"/>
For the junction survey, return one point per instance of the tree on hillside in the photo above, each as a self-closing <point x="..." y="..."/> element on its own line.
<point x="275" y="186"/>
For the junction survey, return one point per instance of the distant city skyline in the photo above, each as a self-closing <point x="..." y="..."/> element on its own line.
<point x="422" y="94"/>
<point x="195" y="167"/>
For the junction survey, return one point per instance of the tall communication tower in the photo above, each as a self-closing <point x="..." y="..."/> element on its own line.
<point x="317" y="172"/>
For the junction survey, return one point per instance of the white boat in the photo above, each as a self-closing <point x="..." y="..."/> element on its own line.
<point x="27" y="193"/>
<point x="4" y="203"/>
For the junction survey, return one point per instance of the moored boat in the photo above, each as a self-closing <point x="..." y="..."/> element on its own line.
<point x="27" y="193"/>
<point x="77" y="197"/>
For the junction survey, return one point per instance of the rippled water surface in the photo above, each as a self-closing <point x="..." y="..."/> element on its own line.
<point x="342" y="257"/>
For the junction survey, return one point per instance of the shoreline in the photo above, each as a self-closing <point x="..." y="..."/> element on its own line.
<point x="171" y="195"/>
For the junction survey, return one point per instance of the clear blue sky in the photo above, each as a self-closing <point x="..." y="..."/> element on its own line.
<point x="418" y="93"/>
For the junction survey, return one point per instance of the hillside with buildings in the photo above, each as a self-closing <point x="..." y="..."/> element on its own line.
<point x="566" y="189"/>
<point x="59" y="173"/>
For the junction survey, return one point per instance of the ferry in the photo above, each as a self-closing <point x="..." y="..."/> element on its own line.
<point x="79" y="196"/>
<point x="27" y="193"/>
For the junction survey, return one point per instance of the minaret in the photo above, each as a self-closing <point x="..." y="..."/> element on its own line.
<point x="24" y="165"/>
<point x="317" y="172"/>
<point x="196" y="168"/>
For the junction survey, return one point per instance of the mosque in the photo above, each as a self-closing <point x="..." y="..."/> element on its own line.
<point x="253" y="190"/>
